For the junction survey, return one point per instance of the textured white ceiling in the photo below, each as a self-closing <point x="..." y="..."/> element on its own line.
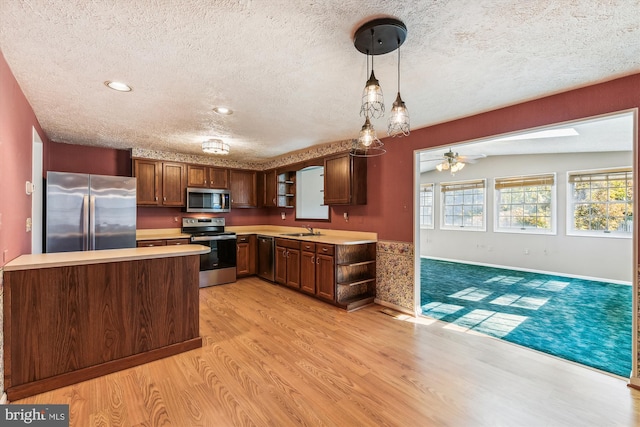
<point x="288" y="68"/>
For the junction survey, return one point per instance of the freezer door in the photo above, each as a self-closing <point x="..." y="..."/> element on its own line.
<point x="112" y="212"/>
<point x="66" y="218"/>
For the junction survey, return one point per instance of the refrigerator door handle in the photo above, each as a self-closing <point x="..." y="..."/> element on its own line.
<point x="92" y="223"/>
<point x="85" y="223"/>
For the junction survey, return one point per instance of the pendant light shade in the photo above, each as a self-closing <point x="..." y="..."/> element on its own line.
<point x="367" y="144"/>
<point x="399" y="118"/>
<point x="215" y="146"/>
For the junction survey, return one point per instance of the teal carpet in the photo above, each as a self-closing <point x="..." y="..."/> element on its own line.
<point x="579" y="320"/>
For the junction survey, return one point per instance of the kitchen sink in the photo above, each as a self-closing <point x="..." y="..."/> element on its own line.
<point x="300" y="234"/>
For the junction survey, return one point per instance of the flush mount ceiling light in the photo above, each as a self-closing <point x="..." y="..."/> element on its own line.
<point x="215" y="146"/>
<point x="223" y="111"/>
<point x="378" y="37"/>
<point x="119" y="86"/>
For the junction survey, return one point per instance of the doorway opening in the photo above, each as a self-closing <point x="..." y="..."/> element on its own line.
<point x="525" y="204"/>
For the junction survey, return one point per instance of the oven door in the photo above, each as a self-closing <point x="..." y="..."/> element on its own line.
<point x="219" y="265"/>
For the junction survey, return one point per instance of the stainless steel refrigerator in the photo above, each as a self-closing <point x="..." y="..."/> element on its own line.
<point x="89" y="212"/>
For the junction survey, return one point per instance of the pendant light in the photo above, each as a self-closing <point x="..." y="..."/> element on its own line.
<point x="399" y="118"/>
<point x="372" y="98"/>
<point x="376" y="37"/>
<point x="367" y="144"/>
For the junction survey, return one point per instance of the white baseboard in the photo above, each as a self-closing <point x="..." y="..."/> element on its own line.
<point x="395" y="307"/>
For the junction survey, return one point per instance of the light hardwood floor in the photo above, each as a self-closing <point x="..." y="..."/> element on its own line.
<point x="274" y="357"/>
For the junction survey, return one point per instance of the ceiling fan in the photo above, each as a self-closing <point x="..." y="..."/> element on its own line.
<point x="454" y="162"/>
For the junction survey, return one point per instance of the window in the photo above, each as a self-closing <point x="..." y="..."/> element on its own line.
<point x="602" y="202"/>
<point x="426" y="205"/>
<point x="463" y="205"/>
<point x="525" y="204"/>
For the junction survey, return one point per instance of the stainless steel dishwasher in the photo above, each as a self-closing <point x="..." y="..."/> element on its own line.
<point x="266" y="257"/>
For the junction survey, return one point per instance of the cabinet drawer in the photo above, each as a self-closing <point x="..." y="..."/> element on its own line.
<point x="177" y="242"/>
<point x="322" y="248"/>
<point x="243" y="239"/>
<point x="149" y="243"/>
<point x="310" y="247"/>
<point x="286" y="243"/>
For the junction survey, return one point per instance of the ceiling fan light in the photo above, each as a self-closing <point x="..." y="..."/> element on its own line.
<point x="215" y="146"/>
<point x="399" y="119"/>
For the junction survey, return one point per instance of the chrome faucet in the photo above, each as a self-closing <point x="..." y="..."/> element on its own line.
<point x="309" y="229"/>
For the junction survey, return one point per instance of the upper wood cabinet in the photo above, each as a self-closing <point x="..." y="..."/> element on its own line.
<point x="159" y="183"/>
<point x="243" y="186"/>
<point x="345" y="180"/>
<point x="207" y="177"/>
<point x="269" y="179"/>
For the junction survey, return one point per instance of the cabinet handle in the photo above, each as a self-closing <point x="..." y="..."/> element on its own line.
<point x="164" y="199"/>
<point x="156" y="198"/>
<point x="318" y="260"/>
<point x="313" y="260"/>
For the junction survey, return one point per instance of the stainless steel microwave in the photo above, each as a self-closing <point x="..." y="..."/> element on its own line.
<point x="208" y="200"/>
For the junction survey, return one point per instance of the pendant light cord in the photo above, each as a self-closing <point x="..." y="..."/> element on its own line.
<point x="398" y="65"/>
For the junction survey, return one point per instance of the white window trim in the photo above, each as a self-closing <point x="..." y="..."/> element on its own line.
<point x="594" y="234"/>
<point x="554" y="212"/>
<point x="433" y="206"/>
<point x="484" y="207"/>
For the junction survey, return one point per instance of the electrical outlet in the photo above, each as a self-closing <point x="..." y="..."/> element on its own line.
<point x="29" y="225"/>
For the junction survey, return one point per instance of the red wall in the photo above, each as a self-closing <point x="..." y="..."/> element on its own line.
<point x="85" y="159"/>
<point x="16" y="122"/>
<point x="391" y="194"/>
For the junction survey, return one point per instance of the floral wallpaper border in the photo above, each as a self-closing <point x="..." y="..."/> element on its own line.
<point x="284" y="160"/>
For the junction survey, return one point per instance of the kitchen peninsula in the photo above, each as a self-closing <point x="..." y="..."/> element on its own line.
<point x="73" y="316"/>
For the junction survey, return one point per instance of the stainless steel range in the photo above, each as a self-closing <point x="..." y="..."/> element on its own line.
<point x="219" y="265"/>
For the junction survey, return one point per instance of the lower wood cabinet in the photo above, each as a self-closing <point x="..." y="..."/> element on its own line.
<point x="344" y="275"/>
<point x="288" y="263"/>
<point x="317" y="270"/>
<point x="246" y="256"/>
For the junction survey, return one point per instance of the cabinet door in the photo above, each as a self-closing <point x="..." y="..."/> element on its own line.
<point x="147" y="173"/>
<point x="218" y="178"/>
<point x="337" y="180"/>
<point x="242" y="260"/>
<point x="173" y="184"/>
<point x="308" y="272"/>
<point x="270" y="183"/>
<point x="242" y="185"/>
<point x="197" y="176"/>
<point x="325" y="277"/>
<point x="293" y="268"/>
<point x="281" y="265"/>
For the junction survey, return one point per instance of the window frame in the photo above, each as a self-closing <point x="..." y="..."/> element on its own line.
<point x="432" y="205"/>
<point x="481" y="184"/>
<point x="511" y="181"/>
<point x="570" y="231"/>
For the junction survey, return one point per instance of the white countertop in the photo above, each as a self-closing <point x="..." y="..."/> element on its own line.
<point x="62" y="259"/>
<point x="332" y="237"/>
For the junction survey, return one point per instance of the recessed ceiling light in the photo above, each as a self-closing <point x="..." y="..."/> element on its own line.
<point x="119" y="86"/>
<point x="223" y="111"/>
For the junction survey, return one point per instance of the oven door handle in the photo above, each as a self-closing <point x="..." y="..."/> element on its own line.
<point x="210" y="238"/>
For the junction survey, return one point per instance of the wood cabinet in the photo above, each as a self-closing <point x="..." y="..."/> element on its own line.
<point x="317" y="270"/>
<point x="160" y="183"/>
<point x="269" y="179"/>
<point x="286" y="190"/>
<point x="201" y="176"/>
<point x="161" y="242"/>
<point x="355" y="275"/>
<point x="345" y="180"/>
<point x="288" y="263"/>
<point x="246" y="256"/>
<point x="243" y="186"/>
